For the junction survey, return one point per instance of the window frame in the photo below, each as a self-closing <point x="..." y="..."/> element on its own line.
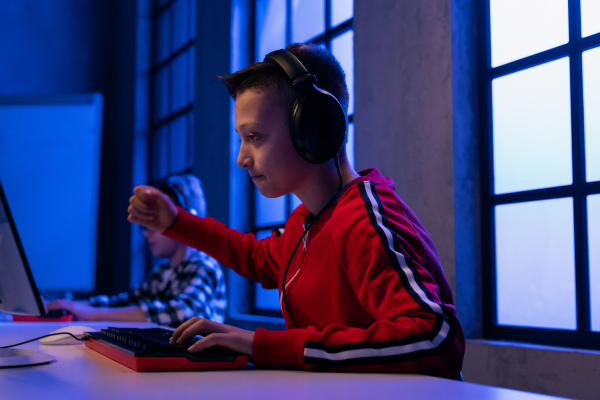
<point x="582" y="337"/>
<point x="155" y="172"/>
<point x="156" y="163"/>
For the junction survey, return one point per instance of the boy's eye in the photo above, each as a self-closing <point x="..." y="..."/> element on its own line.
<point x="249" y="138"/>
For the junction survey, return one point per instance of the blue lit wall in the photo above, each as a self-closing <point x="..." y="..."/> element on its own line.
<point x="72" y="46"/>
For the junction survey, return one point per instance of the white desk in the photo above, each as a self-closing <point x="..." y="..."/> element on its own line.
<point x="81" y="373"/>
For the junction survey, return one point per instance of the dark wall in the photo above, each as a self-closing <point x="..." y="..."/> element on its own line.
<point x="53" y="46"/>
<point x="73" y="46"/>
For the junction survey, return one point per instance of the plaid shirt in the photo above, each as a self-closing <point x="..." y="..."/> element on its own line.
<point x="195" y="287"/>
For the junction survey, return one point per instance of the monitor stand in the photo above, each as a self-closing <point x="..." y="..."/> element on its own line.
<point x="23" y="358"/>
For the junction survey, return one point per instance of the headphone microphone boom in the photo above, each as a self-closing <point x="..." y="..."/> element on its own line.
<point x="317" y="121"/>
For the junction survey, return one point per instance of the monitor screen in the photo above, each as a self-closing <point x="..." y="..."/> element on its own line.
<point x="18" y="292"/>
<point x="42" y="138"/>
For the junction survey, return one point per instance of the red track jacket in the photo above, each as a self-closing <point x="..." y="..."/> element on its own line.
<point x="366" y="286"/>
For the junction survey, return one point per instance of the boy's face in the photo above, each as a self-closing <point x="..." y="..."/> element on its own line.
<point x="266" y="149"/>
<point x="160" y="245"/>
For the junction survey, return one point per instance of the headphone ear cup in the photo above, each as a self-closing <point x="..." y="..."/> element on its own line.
<point x="317" y="125"/>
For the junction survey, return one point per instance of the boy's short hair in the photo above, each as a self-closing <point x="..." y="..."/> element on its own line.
<point x="267" y="76"/>
<point x="186" y="192"/>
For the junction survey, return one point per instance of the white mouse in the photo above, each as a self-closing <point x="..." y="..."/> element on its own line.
<point x="76" y="330"/>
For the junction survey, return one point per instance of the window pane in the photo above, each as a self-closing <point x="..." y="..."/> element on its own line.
<point x="590" y="23"/>
<point x="270" y="26"/>
<point x="160" y="95"/>
<point x="269" y="211"/>
<point x="341" y="11"/>
<point x="191" y="61"/>
<point x="181" y="29"/>
<point x="178" y="145"/>
<point x="308" y="19"/>
<point x="160" y="155"/>
<point x="520" y="28"/>
<point x="342" y="48"/>
<point x="591" y="108"/>
<point x="593" y="207"/>
<point x="192" y="18"/>
<point x="190" y="139"/>
<point x="350" y="144"/>
<point x="535" y="264"/>
<point x="265" y="298"/>
<point x="163" y="36"/>
<point x="179" y="82"/>
<point x="532" y="128"/>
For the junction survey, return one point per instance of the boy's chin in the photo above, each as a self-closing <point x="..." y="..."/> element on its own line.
<point x="270" y="194"/>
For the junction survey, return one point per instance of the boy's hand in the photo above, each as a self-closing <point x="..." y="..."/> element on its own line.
<point x="81" y="310"/>
<point x="151" y="208"/>
<point x="236" y="339"/>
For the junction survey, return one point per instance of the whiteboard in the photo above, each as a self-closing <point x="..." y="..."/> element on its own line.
<point x="50" y="171"/>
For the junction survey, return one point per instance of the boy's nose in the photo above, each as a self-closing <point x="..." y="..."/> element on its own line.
<point x="243" y="159"/>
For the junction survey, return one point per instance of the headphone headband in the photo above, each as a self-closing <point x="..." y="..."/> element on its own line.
<point x="171" y="189"/>
<point x="292" y="67"/>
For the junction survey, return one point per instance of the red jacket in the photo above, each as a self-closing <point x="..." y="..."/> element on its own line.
<point x="366" y="287"/>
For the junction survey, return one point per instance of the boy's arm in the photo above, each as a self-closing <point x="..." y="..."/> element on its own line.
<point x="239" y="251"/>
<point x="404" y="338"/>
<point x="82" y="310"/>
<point x="151" y="208"/>
<point x="128" y="313"/>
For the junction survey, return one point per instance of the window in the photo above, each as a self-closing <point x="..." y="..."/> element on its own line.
<point x="541" y="194"/>
<point x="165" y="143"/>
<point x="170" y="141"/>
<point x="277" y="24"/>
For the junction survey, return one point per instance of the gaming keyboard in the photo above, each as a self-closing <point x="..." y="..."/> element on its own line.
<point x="151" y="340"/>
<point x="148" y="349"/>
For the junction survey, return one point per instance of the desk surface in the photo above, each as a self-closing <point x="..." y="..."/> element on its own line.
<point x="81" y="373"/>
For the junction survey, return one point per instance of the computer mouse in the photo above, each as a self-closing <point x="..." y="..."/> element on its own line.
<point x="76" y="330"/>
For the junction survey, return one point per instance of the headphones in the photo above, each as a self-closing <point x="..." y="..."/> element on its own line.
<point x="317" y="120"/>
<point x="170" y="189"/>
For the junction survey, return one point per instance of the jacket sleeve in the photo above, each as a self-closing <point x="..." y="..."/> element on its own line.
<point x="412" y="329"/>
<point x="413" y="341"/>
<point x="239" y="251"/>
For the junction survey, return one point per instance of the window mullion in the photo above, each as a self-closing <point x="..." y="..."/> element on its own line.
<point x="579" y="175"/>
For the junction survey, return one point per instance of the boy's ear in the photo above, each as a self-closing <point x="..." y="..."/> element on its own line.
<point x="317" y="125"/>
<point x="317" y="122"/>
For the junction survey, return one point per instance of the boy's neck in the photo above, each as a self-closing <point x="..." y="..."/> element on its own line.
<point x="181" y="254"/>
<point x="324" y="183"/>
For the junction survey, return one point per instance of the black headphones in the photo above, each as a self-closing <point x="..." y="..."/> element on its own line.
<point x="317" y="121"/>
<point x="170" y="189"/>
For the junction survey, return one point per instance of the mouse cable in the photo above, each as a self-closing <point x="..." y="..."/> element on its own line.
<point x="41" y="337"/>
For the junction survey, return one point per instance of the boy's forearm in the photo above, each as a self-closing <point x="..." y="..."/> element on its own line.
<point x="129" y="313"/>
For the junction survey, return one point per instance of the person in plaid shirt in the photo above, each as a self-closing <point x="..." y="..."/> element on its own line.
<point x="189" y="283"/>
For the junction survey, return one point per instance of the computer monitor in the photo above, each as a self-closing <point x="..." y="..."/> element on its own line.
<point x="18" y="292"/>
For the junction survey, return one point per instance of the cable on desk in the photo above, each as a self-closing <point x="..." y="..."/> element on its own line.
<point x="41" y="337"/>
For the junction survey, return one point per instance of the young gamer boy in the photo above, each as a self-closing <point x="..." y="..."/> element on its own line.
<point x="360" y="281"/>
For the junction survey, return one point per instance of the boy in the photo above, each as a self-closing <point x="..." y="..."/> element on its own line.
<point x="361" y="285"/>
<point x="189" y="282"/>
